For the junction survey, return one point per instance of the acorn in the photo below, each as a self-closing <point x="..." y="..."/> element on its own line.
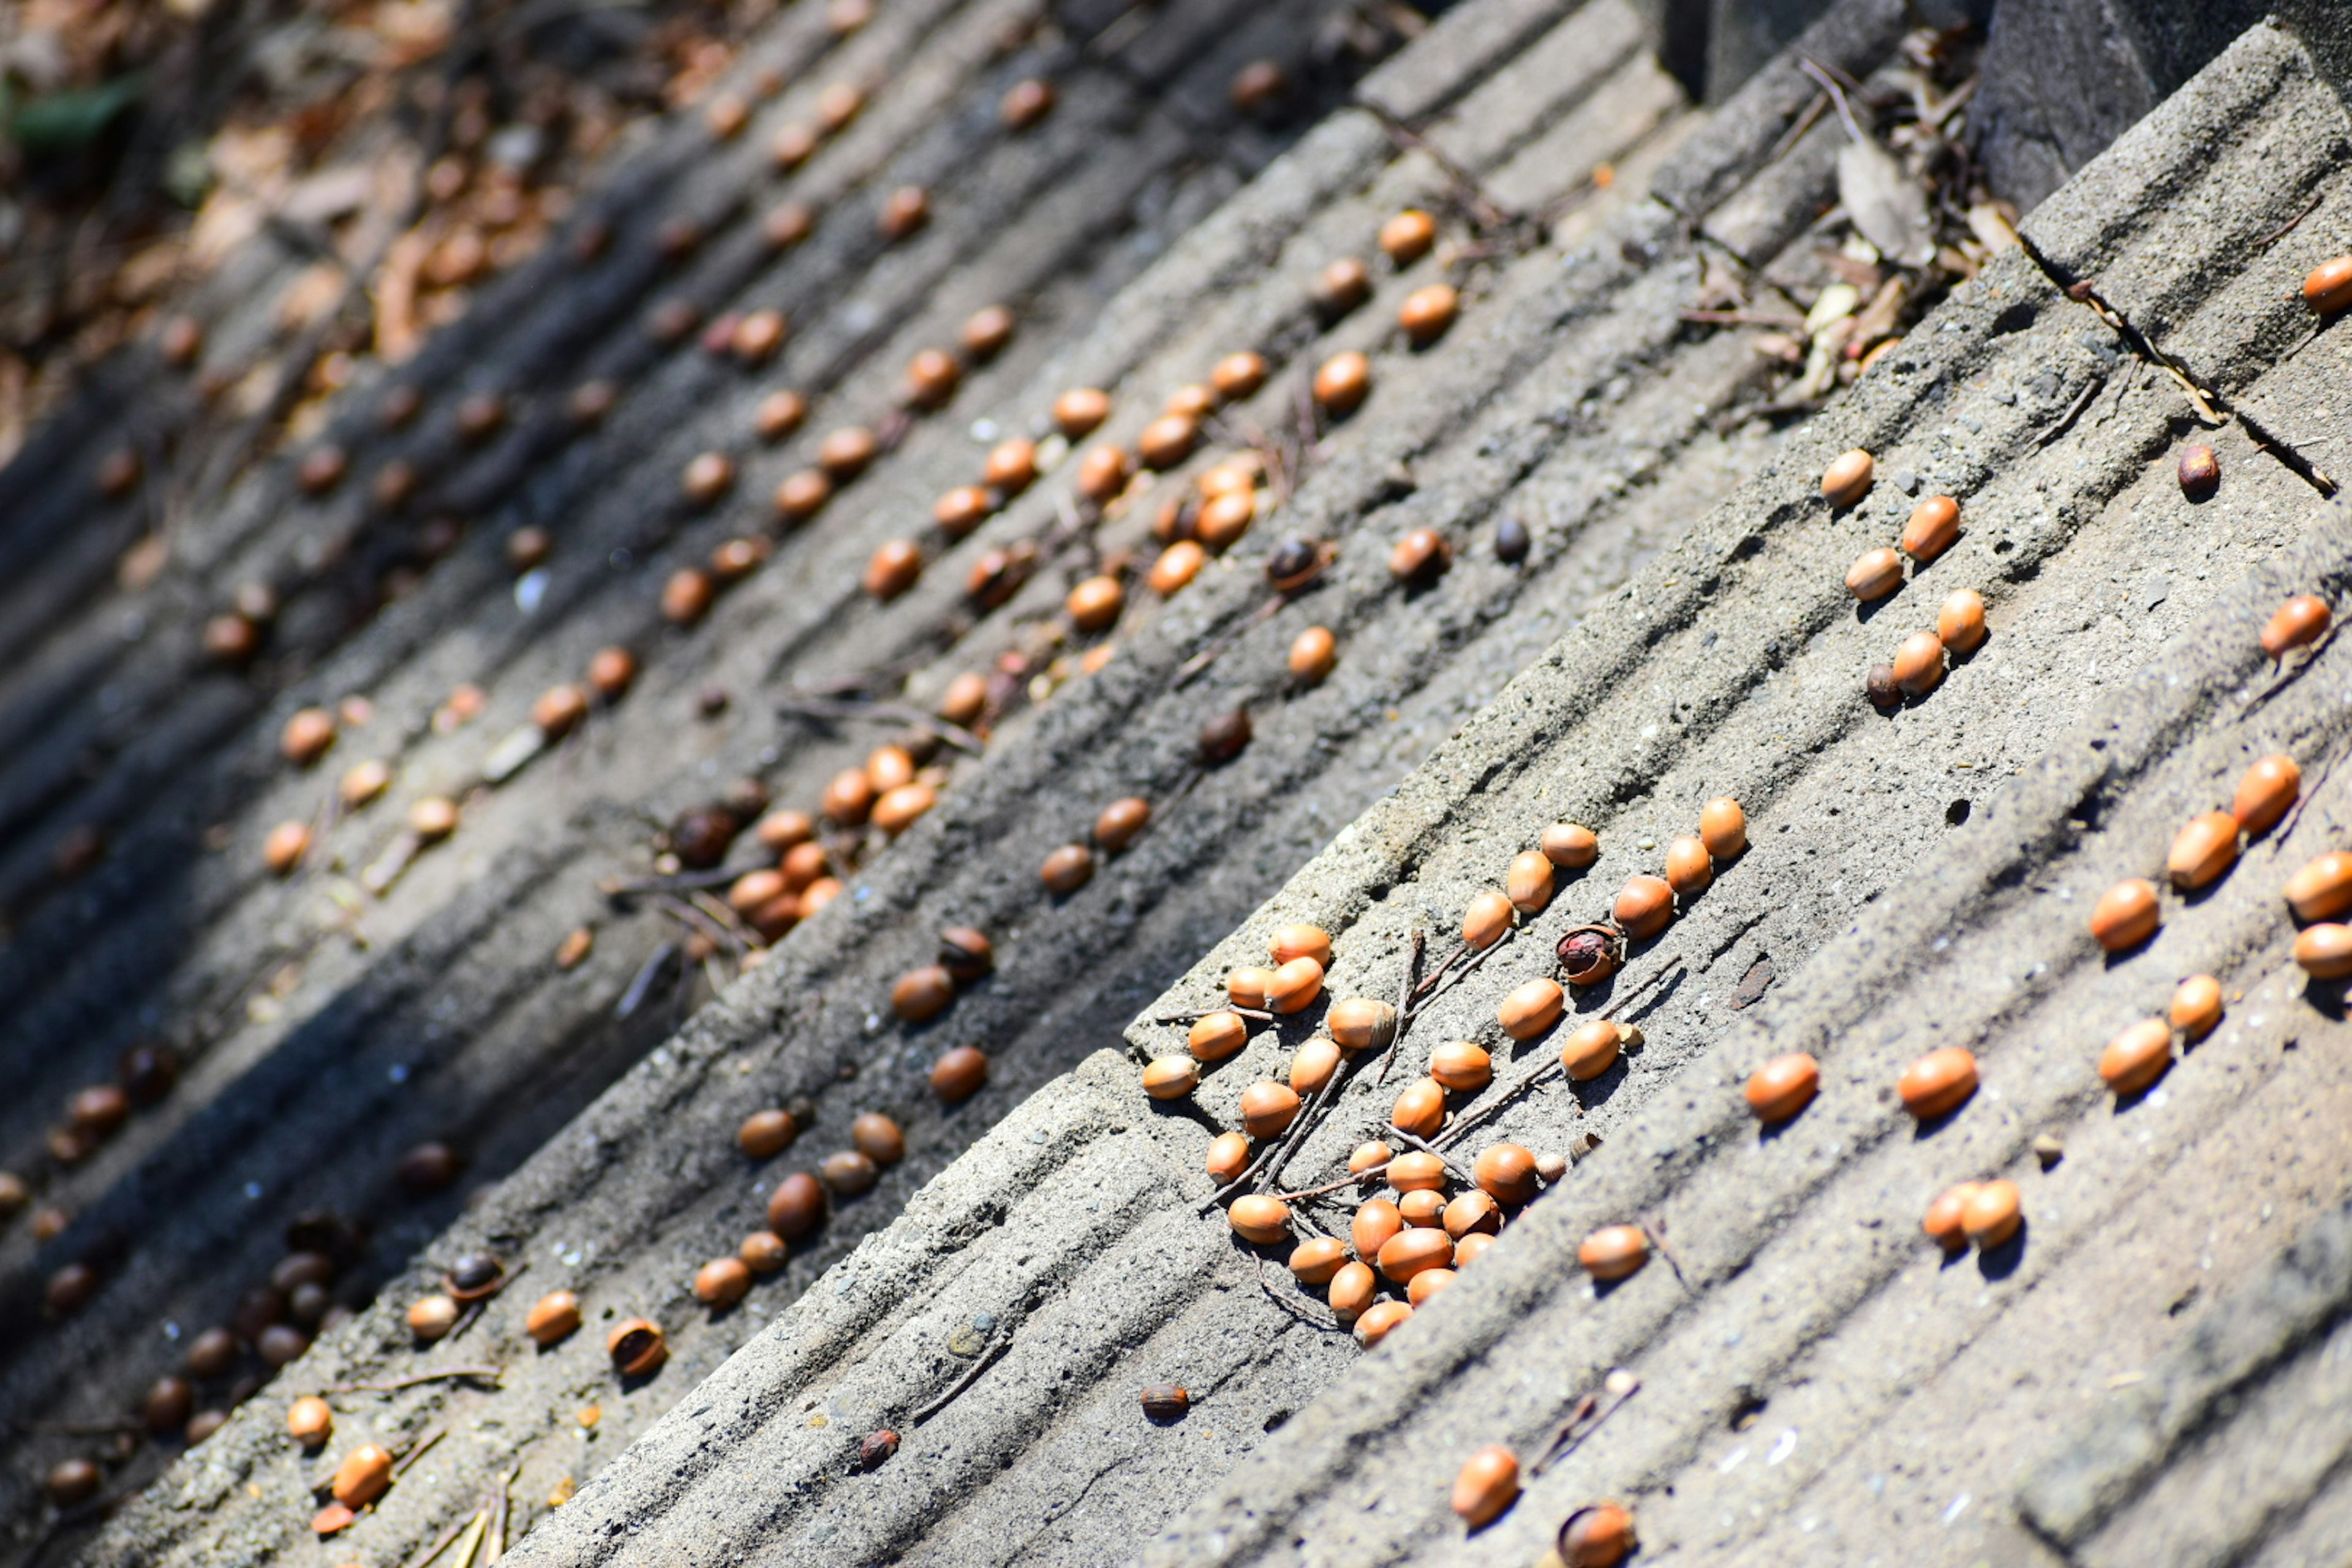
<point x="2127" y="913"/>
<point x="959" y="1074"/>
<point x="1317" y="1259"/>
<point x="1474" y="1212"/>
<point x="1341" y="384"/>
<point x="1238" y="375"/>
<point x="1226" y="737"/>
<point x="1171" y="1078"/>
<point x="1961" y="621"/>
<point x="1945" y="1219"/>
<point x="1782" y="1087"/>
<point x="1067" y="869"/>
<point x="2200" y="472"/>
<point x="554" y="1318"/>
<point x="308" y="1421"/>
<point x="921" y="994"/>
<point x="475" y="1276"/>
<point x="1362" y="1024"/>
<point x="1644" y="906"/>
<point x="1487" y="920"/>
<point x="1486" y="1484"/>
<point x="1079" y="411"/>
<point x="1420" y="1109"/>
<point x="170" y="1401"/>
<point x="1723" y="828"/>
<point x="2204" y="849"/>
<point x="1417" y="1170"/>
<point x="1933" y="527"/>
<point x="1294" y="986"/>
<point x="1939" y="1083"/>
<point x="1379" y="1321"/>
<point x="1690" y="869"/>
<point x="1411" y="1250"/>
<point x="1216" y="1036"/>
<point x="1012" y="465"/>
<point x="1165" y="1400"/>
<point x="1314" y="654"/>
<point x="1352" y="1291"/>
<point x="1462" y="1066"/>
<point x="2138" y="1056"/>
<point x="432" y="1317"/>
<point x="2302" y="619"/>
<point x="2265" y="794"/>
<point x="1427" y="312"/>
<point x="1268" y="1110"/>
<point x="1420" y="557"/>
<point x="2328" y="288"/>
<point x="1103" y="473"/>
<point x="1228" y="1157"/>
<point x="1593" y="1048"/>
<point x="1874" y="575"/>
<point x="365" y="1476"/>
<point x="1341" y="286"/>
<point x="1920" y="664"/>
<point x="1406" y="237"/>
<point x="1613" y="1252"/>
<point x="1599" y="1536"/>
<point x="1506" y="1172"/>
<point x="1991" y="1215"/>
<point x="1245" y="986"/>
<point x="1590" y="955"/>
<point x="1254" y="1217"/>
<point x="1848" y="480"/>
<point x="797" y="1207"/>
<point x="1531" y="1008"/>
<point x="1569" y="845"/>
<point x="2197" y="1006"/>
<point x="2325" y="950"/>
<point x="723" y="1282"/>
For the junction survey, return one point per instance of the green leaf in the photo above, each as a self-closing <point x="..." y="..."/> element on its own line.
<point x="61" y="121"/>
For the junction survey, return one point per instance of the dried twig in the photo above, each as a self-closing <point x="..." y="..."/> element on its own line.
<point x="990" y="1351"/>
<point x="1426" y="1147"/>
<point x="416" y="1451"/>
<point x="883" y="709"/>
<point x="413" y="1379"/>
<point x="1585" y="1419"/>
<point x="1403" y="1004"/>
<point x="648" y="975"/>
<point x="1305" y="1312"/>
<point x="441" y="1542"/>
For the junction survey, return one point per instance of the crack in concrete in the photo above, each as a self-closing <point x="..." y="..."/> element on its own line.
<point x="2213" y="407"/>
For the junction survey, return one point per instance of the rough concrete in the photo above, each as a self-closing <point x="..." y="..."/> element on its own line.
<point x="2121" y="691"/>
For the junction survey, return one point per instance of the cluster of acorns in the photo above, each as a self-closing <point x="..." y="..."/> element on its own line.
<point x="1987" y="1214"/>
<point x="1933" y="528"/>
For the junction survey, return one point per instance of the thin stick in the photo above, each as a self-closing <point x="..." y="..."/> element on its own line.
<point x="1260" y="1013"/>
<point x="1818" y="106"/>
<point x="1741" y="319"/>
<point x="642" y="986"/>
<point x="2289" y="226"/>
<point x="497" y="1548"/>
<point x="1276" y="1151"/>
<point x="1567" y="1438"/>
<point x="1300" y="1309"/>
<point x="416" y="1451"/>
<point x="993" y="1348"/>
<point x="885" y="710"/>
<point x="413" y="1379"/>
<point x="684" y="882"/>
<point x="441" y="1542"/>
<point x="1404" y="1004"/>
<point x="1426" y="1147"/>
<point x="1466" y="971"/>
<point x="1378" y="1173"/>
